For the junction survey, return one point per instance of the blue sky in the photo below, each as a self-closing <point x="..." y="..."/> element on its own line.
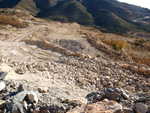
<point x="142" y="3"/>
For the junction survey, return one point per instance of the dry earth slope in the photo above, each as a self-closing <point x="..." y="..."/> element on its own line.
<point x="58" y="67"/>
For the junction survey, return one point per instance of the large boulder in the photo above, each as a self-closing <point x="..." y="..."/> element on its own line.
<point x="140" y="108"/>
<point x="105" y="106"/>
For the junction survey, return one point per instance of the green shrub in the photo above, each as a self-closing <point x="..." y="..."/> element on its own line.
<point x="98" y="55"/>
<point x="33" y="19"/>
<point x="13" y="12"/>
<point x="117" y="47"/>
<point x="122" y="44"/>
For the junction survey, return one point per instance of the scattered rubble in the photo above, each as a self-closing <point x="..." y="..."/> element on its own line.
<point x="71" y="45"/>
<point x="17" y="99"/>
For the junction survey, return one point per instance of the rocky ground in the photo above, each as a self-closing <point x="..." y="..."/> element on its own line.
<point x="52" y="67"/>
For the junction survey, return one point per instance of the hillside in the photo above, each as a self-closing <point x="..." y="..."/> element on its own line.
<point x="86" y="12"/>
<point x="48" y="66"/>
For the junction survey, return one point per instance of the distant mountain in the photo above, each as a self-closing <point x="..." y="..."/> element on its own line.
<point x="112" y="15"/>
<point x="28" y="5"/>
<point x="112" y="22"/>
<point x="70" y="10"/>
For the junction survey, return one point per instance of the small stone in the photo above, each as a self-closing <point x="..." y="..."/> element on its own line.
<point x="81" y="101"/>
<point x="20" y="88"/>
<point x="111" y="95"/>
<point x="33" y="97"/>
<point x="149" y="93"/>
<point x="2" y="85"/>
<point x="25" y="105"/>
<point x="31" y="110"/>
<point x="100" y="86"/>
<point x="5" y="90"/>
<point x="119" y="90"/>
<point x="42" y="89"/>
<point x="141" y="99"/>
<point x="134" y="68"/>
<point x="36" y="111"/>
<point x="125" y="96"/>
<point x="128" y="110"/>
<point x="99" y="97"/>
<point x="140" y="108"/>
<point x="104" y="83"/>
<point x="146" y="89"/>
<point x="2" y="104"/>
<point x="3" y="75"/>
<point x="148" y="83"/>
<point x="110" y="84"/>
<point x="66" y="101"/>
<point x="30" y="106"/>
<point x="20" y="71"/>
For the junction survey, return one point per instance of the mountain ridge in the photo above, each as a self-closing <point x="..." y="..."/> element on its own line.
<point x="84" y="12"/>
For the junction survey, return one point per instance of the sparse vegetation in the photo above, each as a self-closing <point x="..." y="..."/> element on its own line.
<point x="13" y="12"/>
<point x="11" y="21"/>
<point x="121" y="44"/>
<point x="58" y="18"/>
<point x="117" y="47"/>
<point x="145" y="61"/>
<point x="33" y="19"/>
<point x="98" y="55"/>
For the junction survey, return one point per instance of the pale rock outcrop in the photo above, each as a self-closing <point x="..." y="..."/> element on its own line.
<point x="105" y="106"/>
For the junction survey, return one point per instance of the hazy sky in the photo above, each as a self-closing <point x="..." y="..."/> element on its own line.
<point x="142" y="3"/>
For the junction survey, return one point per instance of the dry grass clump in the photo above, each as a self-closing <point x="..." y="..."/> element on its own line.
<point x="16" y="13"/>
<point x="122" y="44"/>
<point x="11" y="21"/>
<point x="145" y="61"/>
<point x="74" y="54"/>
